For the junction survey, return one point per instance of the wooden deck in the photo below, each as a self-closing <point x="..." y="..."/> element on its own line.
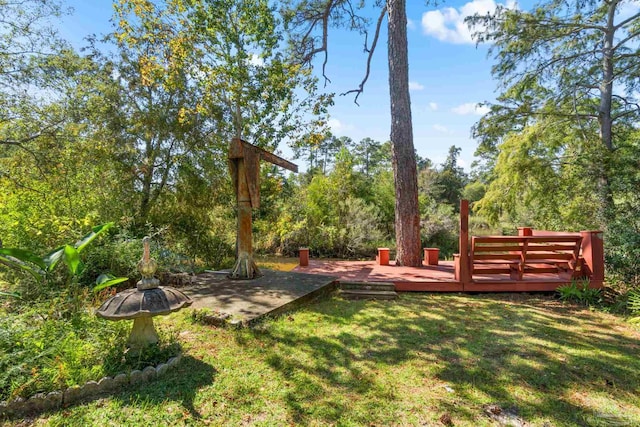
<point x="537" y="272"/>
<point x="428" y="278"/>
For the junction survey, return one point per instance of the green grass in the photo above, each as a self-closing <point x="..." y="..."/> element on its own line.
<point x="414" y="361"/>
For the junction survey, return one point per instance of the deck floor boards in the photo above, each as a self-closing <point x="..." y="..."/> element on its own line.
<point x="438" y="278"/>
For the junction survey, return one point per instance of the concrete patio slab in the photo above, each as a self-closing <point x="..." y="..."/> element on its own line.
<point x="249" y="300"/>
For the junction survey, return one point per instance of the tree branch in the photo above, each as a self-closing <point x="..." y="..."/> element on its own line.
<point x="626" y="21"/>
<point x="324" y="18"/>
<point x="371" y="51"/>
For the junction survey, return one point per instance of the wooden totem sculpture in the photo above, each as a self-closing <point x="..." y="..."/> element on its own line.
<point x="244" y="164"/>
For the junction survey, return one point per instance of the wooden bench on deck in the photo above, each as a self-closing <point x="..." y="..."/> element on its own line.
<point x="519" y="255"/>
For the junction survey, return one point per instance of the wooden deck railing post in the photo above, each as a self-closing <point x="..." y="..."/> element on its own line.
<point x="525" y="231"/>
<point x="593" y="254"/>
<point x="383" y="256"/>
<point x="463" y="245"/>
<point x="304" y="257"/>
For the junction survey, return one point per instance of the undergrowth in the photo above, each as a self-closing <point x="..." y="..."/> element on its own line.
<point x="41" y="351"/>
<point x="581" y="293"/>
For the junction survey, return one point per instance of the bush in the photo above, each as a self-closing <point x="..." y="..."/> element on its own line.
<point x="354" y="232"/>
<point x="439" y="229"/>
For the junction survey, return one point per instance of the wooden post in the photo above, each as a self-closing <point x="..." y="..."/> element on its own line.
<point x="431" y="256"/>
<point x="304" y="257"/>
<point x="244" y="167"/>
<point x="593" y="254"/>
<point x="525" y="231"/>
<point x="463" y="245"/>
<point x="383" y="256"/>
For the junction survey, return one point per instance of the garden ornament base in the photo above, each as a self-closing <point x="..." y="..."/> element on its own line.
<point x="141" y="303"/>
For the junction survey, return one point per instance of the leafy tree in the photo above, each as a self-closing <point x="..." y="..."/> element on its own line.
<point x="27" y="42"/>
<point x="576" y="61"/>
<point x="443" y="185"/>
<point x="371" y="155"/>
<point x="541" y="179"/>
<point x="230" y="52"/>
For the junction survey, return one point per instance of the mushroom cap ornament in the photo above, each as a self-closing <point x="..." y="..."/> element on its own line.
<point x="141" y="303"/>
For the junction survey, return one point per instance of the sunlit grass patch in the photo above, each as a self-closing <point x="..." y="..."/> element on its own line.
<point x="277" y="262"/>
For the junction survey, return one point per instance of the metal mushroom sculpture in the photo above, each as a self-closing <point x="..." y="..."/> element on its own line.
<point x="141" y="303"/>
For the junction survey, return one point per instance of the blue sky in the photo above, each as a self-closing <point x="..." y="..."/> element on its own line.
<point x="449" y="75"/>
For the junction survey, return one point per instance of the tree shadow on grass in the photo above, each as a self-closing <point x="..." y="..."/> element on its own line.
<point x="547" y="361"/>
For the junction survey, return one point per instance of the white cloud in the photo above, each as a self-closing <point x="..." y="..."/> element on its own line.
<point x="440" y="128"/>
<point x="433" y="106"/>
<point x="415" y="86"/>
<point x="411" y="24"/>
<point x="471" y="108"/>
<point x="448" y="24"/>
<point x="337" y="127"/>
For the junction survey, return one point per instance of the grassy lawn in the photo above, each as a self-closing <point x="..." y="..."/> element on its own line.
<point x="422" y="360"/>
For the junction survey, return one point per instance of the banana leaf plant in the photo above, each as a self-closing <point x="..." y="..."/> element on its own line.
<point x="41" y="267"/>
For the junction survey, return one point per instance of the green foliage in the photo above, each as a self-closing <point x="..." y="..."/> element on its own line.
<point x="41" y="351"/>
<point x="633" y="303"/>
<point x="444" y="184"/>
<point x="439" y="229"/>
<point x="581" y="293"/>
<point x="107" y="280"/>
<point x="539" y="179"/>
<point x="42" y="268"/>
<point x="341" y="214"/>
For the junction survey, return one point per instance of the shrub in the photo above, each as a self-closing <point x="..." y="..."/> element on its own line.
<point x="633" y="303"/>
<point x="439" y="229"/>
<point x="581" y="293"/>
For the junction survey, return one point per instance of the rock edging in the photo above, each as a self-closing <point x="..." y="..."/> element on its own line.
<point x="42" y="402"/>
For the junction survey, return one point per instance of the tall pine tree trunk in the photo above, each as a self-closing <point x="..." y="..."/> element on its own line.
<point x="605" y="118"/>
<point x="403" y="153"/>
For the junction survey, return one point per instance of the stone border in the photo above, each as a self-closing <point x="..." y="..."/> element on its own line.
<point x="42" y="402"/>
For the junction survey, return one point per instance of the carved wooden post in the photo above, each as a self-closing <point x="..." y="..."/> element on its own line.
<point x="244" y="165"/>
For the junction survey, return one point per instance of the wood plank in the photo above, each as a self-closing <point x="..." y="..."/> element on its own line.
<point x="538" y="269"/>
<point x="555" y="239"/>
<point x="549" y="256"/>
<point x="550" y="248"/>
<point x="530" y="239"/>
<point x="402" y="286"/>
<point x="515" y="286"/>
<point x="238" y="149"/>
<point x="498" y="248"/>
<point x="493" y="270"/>
<point x="503" y="256"/>
<point x="278" y="161"/>
<point x="499" y="239"/>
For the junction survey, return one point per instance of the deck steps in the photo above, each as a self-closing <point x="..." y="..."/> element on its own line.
<point x="367" y="290"/>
